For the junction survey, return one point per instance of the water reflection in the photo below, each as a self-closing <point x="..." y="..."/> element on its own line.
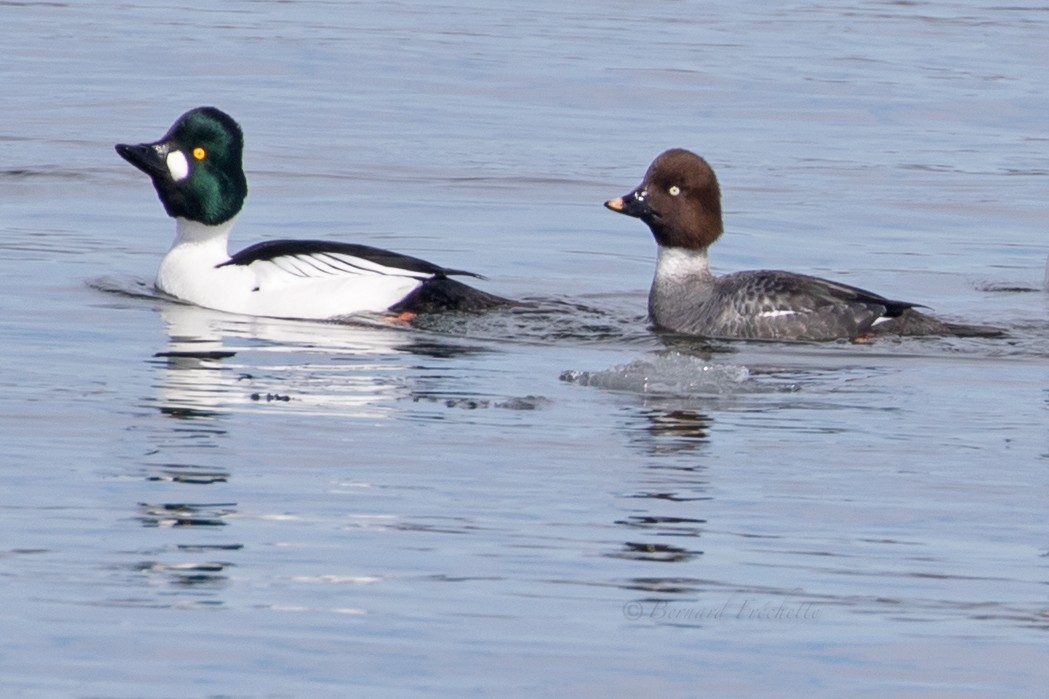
<point x="665" y="526"/>
<point x="187" y="473"/>
<point x="673" y="430"/>
<point x="669" y="482"/>
<point x="186" y="574"/>
<point x="663" y="553"/>
<point x="216" y="366"/>
<point x="185" y="514"/>
<point x="217" y="363"/>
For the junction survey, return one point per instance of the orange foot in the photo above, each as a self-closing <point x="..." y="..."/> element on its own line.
<point x="864" y="339"/>
<point x="403" y="318"/>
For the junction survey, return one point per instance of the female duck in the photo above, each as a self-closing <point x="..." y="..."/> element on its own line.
<point x="680" y="201"/>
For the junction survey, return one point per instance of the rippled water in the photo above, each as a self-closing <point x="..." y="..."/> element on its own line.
<point x="554" y="502"/>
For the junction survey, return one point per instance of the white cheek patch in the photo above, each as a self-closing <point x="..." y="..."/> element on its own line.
<point x="776" y="314"/>
<point x="177" y="164"/>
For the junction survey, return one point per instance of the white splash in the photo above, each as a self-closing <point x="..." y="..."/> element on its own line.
<point x="671" y="373"/>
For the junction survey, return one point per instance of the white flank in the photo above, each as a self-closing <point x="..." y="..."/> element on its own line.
<point x="319" y="285"/>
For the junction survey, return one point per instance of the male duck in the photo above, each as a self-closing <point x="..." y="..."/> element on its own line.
<point x="197" y="172"/>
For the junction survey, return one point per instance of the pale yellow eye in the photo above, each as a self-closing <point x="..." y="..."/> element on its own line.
<point x="199" y="153"/>
<point x="674" y="190"/>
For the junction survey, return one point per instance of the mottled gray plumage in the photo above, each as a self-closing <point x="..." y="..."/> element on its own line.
<point x="680" y="201"/>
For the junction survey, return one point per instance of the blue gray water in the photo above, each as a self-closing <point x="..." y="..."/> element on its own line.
<point x="557" y="503"/>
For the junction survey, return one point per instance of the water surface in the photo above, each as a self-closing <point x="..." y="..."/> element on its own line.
<point x="552" y="503"/>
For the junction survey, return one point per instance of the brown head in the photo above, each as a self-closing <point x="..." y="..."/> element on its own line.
<point x="679" y="199"/>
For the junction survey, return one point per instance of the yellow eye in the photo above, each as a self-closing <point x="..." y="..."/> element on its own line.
<point x="199" y="153"/>
<point x="674" y="189"/>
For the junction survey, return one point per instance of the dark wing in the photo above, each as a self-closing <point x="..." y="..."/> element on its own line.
<point x="773" y="303"/>
<point x="310" y="258"/>
<point x="775" y="290"/>
<point x="827" y="291"/>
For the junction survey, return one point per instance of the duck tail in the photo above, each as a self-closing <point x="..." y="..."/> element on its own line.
<point x="442" y="294"/>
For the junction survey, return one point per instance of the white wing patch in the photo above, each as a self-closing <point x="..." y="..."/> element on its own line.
<point x="289" y="269"/>
<point x="776" y="314"/>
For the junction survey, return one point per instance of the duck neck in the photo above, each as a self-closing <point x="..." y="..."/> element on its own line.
<point x="208" y="242"/>
<point x="188" y="267"/>
<point x="682" y="280"/>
